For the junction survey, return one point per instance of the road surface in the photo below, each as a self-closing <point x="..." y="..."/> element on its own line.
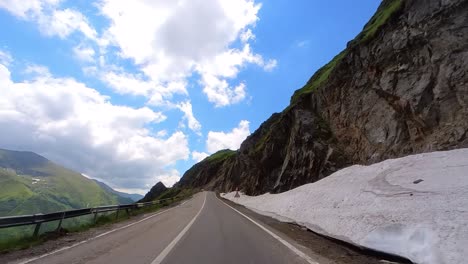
<point x="201" y="230"/>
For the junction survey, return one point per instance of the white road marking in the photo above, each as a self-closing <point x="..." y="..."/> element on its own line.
<point x="169" y="247"/>
<point x="284" y="242"/>
<point x="98" y="236"/>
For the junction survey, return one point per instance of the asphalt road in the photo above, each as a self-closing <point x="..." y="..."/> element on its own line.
<point x="202" y="230"/>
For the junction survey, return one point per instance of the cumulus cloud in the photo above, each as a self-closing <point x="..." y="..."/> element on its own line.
<point x="84" y="53"/>
<point x="171" y="49"/>
<point x="212" y="41"/>
<point x="220" y="93"/>
<point x="5" y="58"/>
<point x="218" y="140"/>
<point x="136" y="84"/>
<point x="30" y="8"/>
<point x="228" y="140"/>
<point x="77" y="126"/>
<point x="192" y="122"/>
<point x="52" y="20"/>
<point x="64" y="22"/>
<point x="169" y="178"/>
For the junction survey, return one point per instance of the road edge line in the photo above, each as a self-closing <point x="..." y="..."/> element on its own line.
<point x="301" y="254"/>
<point x="171" y="245"/>
<point x="98" y="236"/>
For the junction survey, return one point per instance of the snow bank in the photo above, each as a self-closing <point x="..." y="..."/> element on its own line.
<point x="385" y="207"/>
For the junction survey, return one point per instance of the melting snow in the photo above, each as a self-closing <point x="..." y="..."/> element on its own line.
<point x="416" y="206"/>
<point x="34" y="180"/>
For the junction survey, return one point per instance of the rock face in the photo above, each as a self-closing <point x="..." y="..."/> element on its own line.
<point x="399" y="88"/>
<point x="154" y="193"/>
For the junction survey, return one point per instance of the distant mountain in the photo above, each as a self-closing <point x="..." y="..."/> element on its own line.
<point x="30" y="184"/>
<point x="124" y="198"/>
<point x="155" y="192"/>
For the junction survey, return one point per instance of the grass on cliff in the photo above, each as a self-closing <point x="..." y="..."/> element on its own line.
<point x="221" y="155"/>
<point x="383" y="14"/>
<point x="319" y="78"/>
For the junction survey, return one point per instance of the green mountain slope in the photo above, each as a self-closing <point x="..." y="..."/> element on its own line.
<point x="124" y="198"/>
<point x="31" y="184"/>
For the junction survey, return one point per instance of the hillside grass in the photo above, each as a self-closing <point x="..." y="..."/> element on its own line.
<point x="380" y="18"/>
<point x="49" y="188"/>
<point x="319" y="78"/>
<point x="383" y="14"/>
<point x="61" y="189"/>
<point x="221" y="155"/>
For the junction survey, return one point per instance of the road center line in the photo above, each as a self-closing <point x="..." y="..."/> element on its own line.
<point x="169" y="247"/>
<point x="98" y="236"/>
<point x="282" y="241"/>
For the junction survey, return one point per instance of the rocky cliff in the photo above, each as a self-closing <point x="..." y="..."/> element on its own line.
<point x="156" y="191"/>
<point x="400" y="87"/>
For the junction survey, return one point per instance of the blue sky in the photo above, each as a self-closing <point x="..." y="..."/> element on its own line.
<point x="132" y="92"/>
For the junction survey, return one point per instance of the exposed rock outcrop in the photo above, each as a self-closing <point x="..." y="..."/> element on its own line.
<point x="399" y="88"/>
<point x="156" y="191"/>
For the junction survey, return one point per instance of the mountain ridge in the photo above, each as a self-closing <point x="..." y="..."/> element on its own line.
<point x="156" y="191"/>
<point x="30" y="184"/>
<point x="124" y="198"/>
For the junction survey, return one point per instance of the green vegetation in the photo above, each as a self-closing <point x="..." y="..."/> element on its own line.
<point x="221" y="155"/>
<point x="176" y="193"/>
<point x="383" y="14"/>
<point x="30" y="184"/>
<point x="23" y="238"/>
<point x="319" y="78"/>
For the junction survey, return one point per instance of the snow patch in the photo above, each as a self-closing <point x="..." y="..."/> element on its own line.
<point x="35" y="180"/>
<point x="385" y="206"/>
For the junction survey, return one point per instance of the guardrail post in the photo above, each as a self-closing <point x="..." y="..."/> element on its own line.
<point x="117" y="214"/>
<point x="128" y="212"/>
<point x="36" y="230"/>
<point x="60" y="222"/>
<point x="95" y="216"/>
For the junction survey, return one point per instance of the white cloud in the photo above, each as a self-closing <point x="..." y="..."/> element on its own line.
<point x="84" y="53"/>
<point x="80" y="128"/>
<point x="51" y="19"/>
<point x="302" y="43"/>
<point x="223" y="140"/>
<point x="161" y="133"/>
<point x="270" y="65"/>
<point x="166" y="51"/>
<point x="171" y="49"/>
<point x="35" y="71"/>
<point x="192" y="122"/>
<point x="64" y="22"/>
<point x="137" y="84"/>
<point x="199" y="156"/>
<point x="220" y="93"/>
<point x="230" y="140"/>
<point x="247" y="35"/>
<point x="5" y="58"/>
<point x="170" y="178"/>
<point x="27" y="8"/>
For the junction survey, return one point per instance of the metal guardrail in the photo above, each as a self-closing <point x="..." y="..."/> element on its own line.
<point x="38" y="219"/>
